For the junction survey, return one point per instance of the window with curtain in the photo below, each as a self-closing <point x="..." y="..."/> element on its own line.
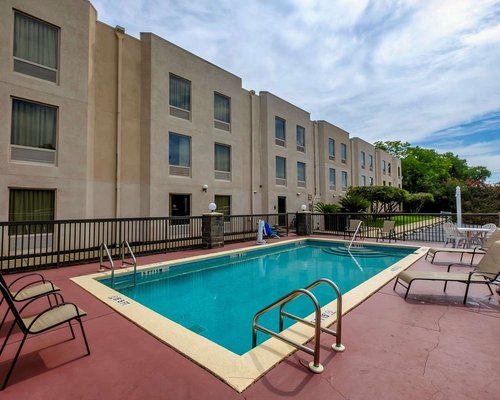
<point x="332" y="177"/>
<point x="280" y="168"/>
<point x="222" y="108"/>
<point x="344" y="180"/>
<point x="370" y="161"/>
<point x="301" y="138"/>
<point x="223" y="204"/>
<point x="31" y="205"/>
<point x="179" y="150"/>
<point x="35" y="41"/>
<point x="363" y="180"/>
<point x="383" y="166"/>
<point x="33" y="125"/>
<point x="371" y="181"/>
<point x="331" y="149"/>
<point x="343" y="152"/>
<point x="180" y="93"/>
<point x="301" y="172"/>
<point x="389" y="168"/>
<point x="279" y="125"/>
<point x="222" y="157"/>
<point x="363" y="159"/>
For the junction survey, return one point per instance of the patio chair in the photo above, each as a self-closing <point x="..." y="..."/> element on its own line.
<point x="29" y="289"/>
<point x="453" y="235"/>
<point x="485" y="272"/>
<point x="387" y="231"/>
<point x="476" y="250"/>
<point x="270" y="232"/>
<point x="353" y="226"/>
<point x="492" y="227"/>
<point x="49" y="318"/>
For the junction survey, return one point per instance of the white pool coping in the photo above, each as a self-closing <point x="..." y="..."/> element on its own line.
<point x="237" y="371"/>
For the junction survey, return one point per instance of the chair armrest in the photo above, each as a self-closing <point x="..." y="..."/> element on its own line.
<point x="41" y="279"/>
<point x="459" y="265"/>
<point x="42" y="296"/>
<point x="31" y="284"/>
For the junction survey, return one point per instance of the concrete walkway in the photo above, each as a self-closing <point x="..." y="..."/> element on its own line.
<point x="429" y="347"/>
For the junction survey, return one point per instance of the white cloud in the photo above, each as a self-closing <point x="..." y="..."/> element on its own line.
<point x="380" y="69"/>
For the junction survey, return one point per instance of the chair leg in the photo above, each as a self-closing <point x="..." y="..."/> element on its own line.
<point x="7" y="338"/>
<point x="72" y="331"/>
<point x="84" y="336"/>
<point x="4" y="317"/>
<point x="408" y="289"/>
<point x="466" y="293"/>
<point x="489" y="287"/>
<point x="395" y="283"/>
<point x="445" y="286"/>
<point x="13" y="362"/>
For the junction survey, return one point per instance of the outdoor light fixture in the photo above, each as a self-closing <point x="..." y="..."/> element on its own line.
<point x="212" y="207"/>
<point x="204" y="188"/>
<point x="303" y="207"/>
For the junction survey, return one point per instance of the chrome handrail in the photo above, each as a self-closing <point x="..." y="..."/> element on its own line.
<point x="354" y="236"/>
<point x="103" y="248"/>
<point x="125" y="262"/>
<point x="315" y="365"/>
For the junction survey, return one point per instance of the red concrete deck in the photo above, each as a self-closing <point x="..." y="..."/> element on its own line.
<point x="429" y="347"/>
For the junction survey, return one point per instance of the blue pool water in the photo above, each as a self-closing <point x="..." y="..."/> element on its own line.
<point x="218" y="297"/>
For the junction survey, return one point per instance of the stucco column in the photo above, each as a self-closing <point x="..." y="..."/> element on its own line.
<point x="212" y="230"/>
<point x="304" y="223"/>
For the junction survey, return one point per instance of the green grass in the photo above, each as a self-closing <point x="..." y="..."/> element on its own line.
<point x="400" y="220"/>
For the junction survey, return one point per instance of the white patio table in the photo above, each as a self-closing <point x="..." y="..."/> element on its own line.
<point x="474" y="234"/>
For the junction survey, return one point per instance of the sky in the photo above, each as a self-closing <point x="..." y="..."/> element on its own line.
<point x="422" y="71"/>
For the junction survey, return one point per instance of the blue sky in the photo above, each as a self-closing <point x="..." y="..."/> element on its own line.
<point x="423" y="71"/>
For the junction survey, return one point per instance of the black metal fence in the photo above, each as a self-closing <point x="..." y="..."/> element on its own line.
<point x="415" y="227"/>
<point x="40" y="244"/>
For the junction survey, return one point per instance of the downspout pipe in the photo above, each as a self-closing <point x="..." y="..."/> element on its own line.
<point x="120" y="34"/>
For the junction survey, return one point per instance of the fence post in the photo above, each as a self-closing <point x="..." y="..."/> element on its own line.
<point x="304" y="223"/>
<point x="58" y="243"/>
<point x="212" y="230"/>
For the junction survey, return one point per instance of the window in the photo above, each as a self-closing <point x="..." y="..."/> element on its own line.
<point x="389" y="168"/>
<point x="281" y="171"/>
<point x="301" y="174"/>
<point x="222" y="112"/>
<point x="331" y="149"/>
<point x="280" y="131"/>
<point x="371" y="181"/>
<point x="33" y="132"/>
<point x="363" y="159"/>
<point x="343" y="153"/>
<point x="344" y="181"/>
<point x="223" y="204"/>
<point x="180" y="206"/>
<point x="363" y="180"/>
<point x="399" y="172"/>
<point x="332" y="179"/>
<point x="301" y="139"/>
<point x="384" y="183"/>
<point x="383" y="167"/>
<point x="31" y="205"/>
<point x="179" y="154"/>
<point x="370" y="162"/>
<point x="180" y="97"/>
<point x="36" y="46"/>
<point x="222" y="164"/>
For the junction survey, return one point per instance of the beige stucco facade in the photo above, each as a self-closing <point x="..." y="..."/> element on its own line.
<point x="114" y="120"/>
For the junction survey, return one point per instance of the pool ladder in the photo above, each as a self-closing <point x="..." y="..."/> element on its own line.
<point x="124" y="246"/>
<point x="314" y="365"/>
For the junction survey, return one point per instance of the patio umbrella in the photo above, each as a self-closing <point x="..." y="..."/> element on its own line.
<point x="458" y="196"/>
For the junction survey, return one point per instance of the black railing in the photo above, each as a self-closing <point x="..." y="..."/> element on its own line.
<point x="30" y="245"/>
<point x="415" y="227"/>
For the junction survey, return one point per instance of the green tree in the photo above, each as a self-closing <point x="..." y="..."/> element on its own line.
<point x="382" y="198"/>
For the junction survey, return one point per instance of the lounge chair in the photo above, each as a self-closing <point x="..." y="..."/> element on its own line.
<point x="387" y="231"/>
<point x="31" y="286"/>
<point x="51" y="317"/>
<point x="485" y="272"/>
<point x="269" y="232"/>
<point x="353" y="226"/>
<point x="477" y="250"/>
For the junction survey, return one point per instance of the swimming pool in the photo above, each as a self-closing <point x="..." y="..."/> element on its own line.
<point x="240" y="371"/>
<point x="217" y="298"/>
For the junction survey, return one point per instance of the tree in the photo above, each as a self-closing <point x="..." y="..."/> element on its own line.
<point x="354" y="203"/>
<point x="416" y="201"/>
<point x="382" y="198"/>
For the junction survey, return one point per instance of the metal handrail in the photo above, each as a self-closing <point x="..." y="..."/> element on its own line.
<point x="315" y="365"/>
<point x="338" y="346"/>
<point x="110" y="259"/>
<point x="125" y="262"/>
<point x="355" y="233"/>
